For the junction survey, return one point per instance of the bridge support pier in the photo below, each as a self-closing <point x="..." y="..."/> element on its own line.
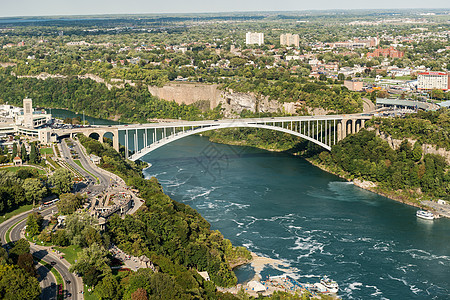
<point x="116" y="142"/>
<point x="339" y="131"/>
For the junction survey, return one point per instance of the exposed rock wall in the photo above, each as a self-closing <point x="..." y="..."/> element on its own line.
<point x="98" y="79"/>
<point x="232" y="103"/>
<point x="235" y="103"/>
<point x="188" y="93"/>
<point x="426" y="148"/>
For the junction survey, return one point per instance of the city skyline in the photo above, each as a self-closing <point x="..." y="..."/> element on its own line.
<point x="84" y="7"/>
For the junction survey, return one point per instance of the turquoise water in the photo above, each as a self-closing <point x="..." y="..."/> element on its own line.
<point x="63" y="113"/>
<point x="282" y="207"/>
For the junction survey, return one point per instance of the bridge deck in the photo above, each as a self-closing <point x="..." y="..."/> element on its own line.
<point x="244" y="120"/>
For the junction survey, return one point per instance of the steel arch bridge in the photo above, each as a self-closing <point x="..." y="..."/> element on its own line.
<point x="324" y="131"/>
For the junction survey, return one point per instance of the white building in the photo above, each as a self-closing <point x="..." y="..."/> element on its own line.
<point x="433" y="80"/>
<point x="30" y="118"/>
<point x="289" y="39"/>
<point x="254" y="38"/>
<point x="28" y="113"/>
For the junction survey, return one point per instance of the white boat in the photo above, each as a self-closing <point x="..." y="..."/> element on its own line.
<point x="331" y="285"/>
<point x="425" y="215"/>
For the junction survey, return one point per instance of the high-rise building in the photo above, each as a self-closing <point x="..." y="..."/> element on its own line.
<point x="254" y="38"/>
<point x="433" y="80"/>
<point x="289" y="39"/>
<point x="28" y="113"/>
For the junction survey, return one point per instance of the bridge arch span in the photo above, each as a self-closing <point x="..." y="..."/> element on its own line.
<point x="99" y="132"/>
<point x="140" y="153"/>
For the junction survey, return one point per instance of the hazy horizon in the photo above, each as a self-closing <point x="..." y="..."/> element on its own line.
<point x="44" y="8"/>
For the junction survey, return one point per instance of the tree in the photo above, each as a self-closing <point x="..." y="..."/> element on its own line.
<point x="382" y="94"/>
<point x="69" y="203"/>
<point x="26" y="262"/>
<point x="59" y="238"/>
<point x="14" y="150"/>
<point x="139" y="294"/>
<point x="22" y="246"/>
<point x="76" y="228"/>
<point x="91" y="276"/>
<point x="33" y="154"/>
<point x="34" y="223"/>
<point x="95" y="256"/>
<point x="140" y="280"/>
<point x="4" y="258"/>
<point x="437" y="94"/>
<point x="107" y="288"/>
<point x="15" y="283"/>
<point x="417" y="152"/>
<point x="23" y="153"/>
<point x="34" y="189"/>
<point x="341" y="76"/>
<point x="62" y="180"/>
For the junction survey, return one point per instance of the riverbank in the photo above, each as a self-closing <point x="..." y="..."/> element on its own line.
<point x="259" y="263"/>
<point x="404" y="196"/>
<point x="399" y="196"/>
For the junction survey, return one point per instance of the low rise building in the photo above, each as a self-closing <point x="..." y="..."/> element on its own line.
<point x="356" y="43"/>
<point x="387" y="52"/>
<point x="354" y="85"/>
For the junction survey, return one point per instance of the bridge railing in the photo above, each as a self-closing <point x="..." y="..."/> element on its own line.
<point x="322" y="131"/>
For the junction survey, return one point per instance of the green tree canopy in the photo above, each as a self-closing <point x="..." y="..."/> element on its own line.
<point x="34" y="189"/>
<point x="16" y="283"/>
<point x="62" y="180"/>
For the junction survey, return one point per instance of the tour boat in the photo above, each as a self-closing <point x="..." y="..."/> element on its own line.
<point x="331" y="285"/>
<point x="425" y="215"/>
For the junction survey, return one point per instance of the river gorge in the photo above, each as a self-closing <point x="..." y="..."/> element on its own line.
<point x="282" y="207"/>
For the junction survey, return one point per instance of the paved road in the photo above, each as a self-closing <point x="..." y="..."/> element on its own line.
<point x="74" y="287"/>
<point x="67" y="157"/>
<point x="46" y="279"/>
<point x="104" y="180"/>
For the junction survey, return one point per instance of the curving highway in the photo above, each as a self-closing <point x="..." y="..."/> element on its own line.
<point x="73" y="284"/>
<point x="104" y="180"/>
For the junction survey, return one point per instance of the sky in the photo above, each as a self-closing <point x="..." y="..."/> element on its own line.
<point x="11" y="8"/>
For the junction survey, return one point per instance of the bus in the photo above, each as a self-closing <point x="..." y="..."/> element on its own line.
<point x="51" y="202"/>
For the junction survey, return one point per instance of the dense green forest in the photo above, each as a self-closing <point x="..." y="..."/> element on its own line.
<point x="432" y="127"/>
<point x="131" y="104"/>
<point x="366" y="156"/>
<point x="22" y="187"/>
<point x="260" y="138"/>
<point x="18" y="276"/>
<point x="174" y="236"/>
<point x="290" y="89"/>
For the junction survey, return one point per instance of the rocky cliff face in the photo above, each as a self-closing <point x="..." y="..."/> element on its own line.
<point x="426" y="148"/>
<point x="232" y="103"/>
<point x="188" y="93"/>
<point x="235" y="103"/>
